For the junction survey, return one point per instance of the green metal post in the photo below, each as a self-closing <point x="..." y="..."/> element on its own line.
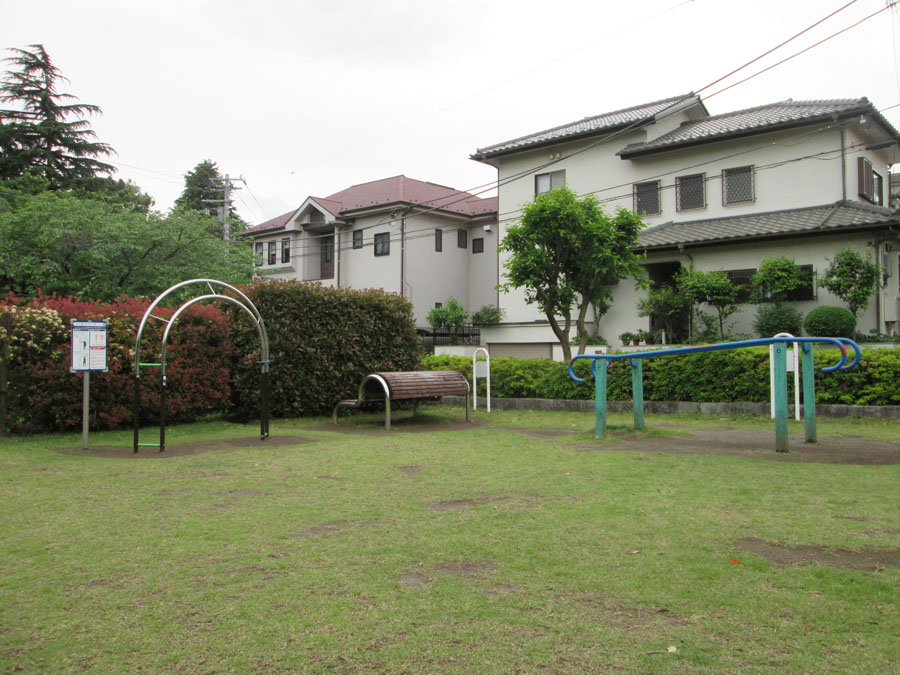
<point x="809" y="392"/>
<point x="781" y="407"/>
<point x="637" y="392"/>
<point x="600" y="398"/>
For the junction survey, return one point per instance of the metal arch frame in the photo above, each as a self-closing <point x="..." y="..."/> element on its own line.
<point x="780" y="345"/>
<point x="246" y="304"/>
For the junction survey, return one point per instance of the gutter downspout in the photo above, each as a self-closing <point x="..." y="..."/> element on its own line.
<point x="403" y="257"/>
<point x="337" y="255"/>
<point x="687" y="255"/>
<point x="843" y="167"/>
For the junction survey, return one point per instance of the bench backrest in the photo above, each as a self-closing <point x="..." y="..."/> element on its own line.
<point x="416" y="384"/>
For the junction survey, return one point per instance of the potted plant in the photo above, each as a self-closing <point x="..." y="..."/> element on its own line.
<point x="627" y="337"/>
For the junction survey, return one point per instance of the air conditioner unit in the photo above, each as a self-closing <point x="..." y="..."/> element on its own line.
<point x="488" y="228"/>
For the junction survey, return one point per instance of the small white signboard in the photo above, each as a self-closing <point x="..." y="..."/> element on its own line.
<point x="89" y="346"/>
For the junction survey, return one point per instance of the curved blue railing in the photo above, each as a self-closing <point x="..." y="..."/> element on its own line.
<point x="779" y="386"/>
<point x="842" y="343"/>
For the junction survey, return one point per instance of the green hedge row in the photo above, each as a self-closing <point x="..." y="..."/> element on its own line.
<point x="322" y="342"/>
<point x="726" y="376"/>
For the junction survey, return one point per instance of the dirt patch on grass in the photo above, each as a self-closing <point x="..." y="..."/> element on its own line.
<point x="456" y="504"/>
<point x="542" y="433"/>
<point x="466" y="569"/>
<point x="417" y="424"/>
<point x="185" y="449"/>
<point x="409" y="469"/>
<point x="631" y="618"/>
<point x="866" y="559"/>
<point x="756" y="444"/>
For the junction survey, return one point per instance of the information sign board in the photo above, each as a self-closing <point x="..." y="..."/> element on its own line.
<point x="89" y="346"/>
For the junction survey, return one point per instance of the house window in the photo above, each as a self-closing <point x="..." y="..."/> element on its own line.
<point x="691" y="192"/>
<point x="383" y="243"/>
<point x="871" y="183"/>
<point x="438" y="240"/>
<point x="478" y="245"/>
<point x="259" y="253"/>
<point x="544" y="182"/>
<point x="438" y="305"/>
<point x="462" y="239"/>
<point x="285" y="250"/>
<point x="808" y="290"/>
<point x="646" y="197"/>
<point x="272" y="251"/>
<point x="737" y="185"/>
<point x="743" y="279"/>
<point x="357" y="238"/>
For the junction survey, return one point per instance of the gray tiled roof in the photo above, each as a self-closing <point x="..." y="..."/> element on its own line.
<point x="750" y="121"/>
<point x="827" y="218"/>
<point x="588" y="125"/>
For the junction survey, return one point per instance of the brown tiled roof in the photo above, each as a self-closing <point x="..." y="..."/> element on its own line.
<point x="761" y="119"/>
<point x="585" y="127"/>
<point x="398" y="190"/>
<point x="828" y="218"/>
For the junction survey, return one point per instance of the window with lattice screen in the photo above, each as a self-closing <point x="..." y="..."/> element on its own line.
<point x="737" y="185"/>
<point x="691" y="192"/>
<point x="646" y="197"/>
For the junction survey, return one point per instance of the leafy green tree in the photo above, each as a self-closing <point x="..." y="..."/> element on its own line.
<point x="712" y="288"/>
<point x="45" y="133"/>
<point x="204" y="190"/>
<point x="851" y="276"/>
<point x="566" y="253"/>
<point x="670" y="306"/>
<point x="95" y="250"/>
<point x="776" y="279"/>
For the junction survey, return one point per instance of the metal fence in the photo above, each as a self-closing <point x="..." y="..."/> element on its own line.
<point x="467" y="335"/>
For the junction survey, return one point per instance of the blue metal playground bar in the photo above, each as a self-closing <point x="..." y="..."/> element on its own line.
<point x="600" y="364"/>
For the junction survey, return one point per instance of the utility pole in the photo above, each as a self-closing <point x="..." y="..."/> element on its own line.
<point x="224" y="208"/>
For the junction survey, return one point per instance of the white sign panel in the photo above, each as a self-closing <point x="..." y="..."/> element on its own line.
<point x="89" y="346"/>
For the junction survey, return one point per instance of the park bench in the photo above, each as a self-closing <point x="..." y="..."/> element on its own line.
<point x="410" y="385"/>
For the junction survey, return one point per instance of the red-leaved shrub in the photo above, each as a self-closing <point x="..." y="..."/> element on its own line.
<point x="45" y="396"/>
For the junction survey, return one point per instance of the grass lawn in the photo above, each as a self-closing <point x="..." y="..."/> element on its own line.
<point x="517" y="544"/>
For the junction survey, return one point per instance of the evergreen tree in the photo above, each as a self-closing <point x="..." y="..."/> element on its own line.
<point x="204" y="190"/>
<point x="43" y="133"/>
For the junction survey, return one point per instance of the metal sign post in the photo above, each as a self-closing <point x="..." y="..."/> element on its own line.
<point x="89" y="353"/>
<point x="481" y="369"/>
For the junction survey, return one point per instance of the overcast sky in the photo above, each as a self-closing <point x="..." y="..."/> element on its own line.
<point x="307" y="97"/>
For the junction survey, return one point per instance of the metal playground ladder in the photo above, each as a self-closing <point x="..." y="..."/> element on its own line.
<point x="600" y="364"/>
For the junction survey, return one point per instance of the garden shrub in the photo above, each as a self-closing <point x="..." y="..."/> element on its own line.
<point x="45" y="396"/>
<point x="322" y="342"/>
<point x="775" y="318"/>
<point x="829" y="321"/>
<point x="722" y="376"/>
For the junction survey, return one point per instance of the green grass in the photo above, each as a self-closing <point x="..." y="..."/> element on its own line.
<point x="479" y="550"/>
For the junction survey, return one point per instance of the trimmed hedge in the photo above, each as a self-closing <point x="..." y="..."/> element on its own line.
<point x="829" y="320"/>
<point x="726" y="376"/>
<point x="322" y="342"/>
<point x="45" y="396"/>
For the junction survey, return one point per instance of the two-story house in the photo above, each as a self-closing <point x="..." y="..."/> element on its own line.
<point x="796" y="178"/>
<point x="423" y="241"/>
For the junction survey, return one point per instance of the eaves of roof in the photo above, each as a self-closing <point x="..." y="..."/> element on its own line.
<point x="842" y="216"/>
<point x="759" y="120"/>
<point x="589" y="126"/>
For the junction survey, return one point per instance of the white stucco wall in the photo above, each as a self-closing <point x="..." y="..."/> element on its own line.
<point x="792" y="169"/>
